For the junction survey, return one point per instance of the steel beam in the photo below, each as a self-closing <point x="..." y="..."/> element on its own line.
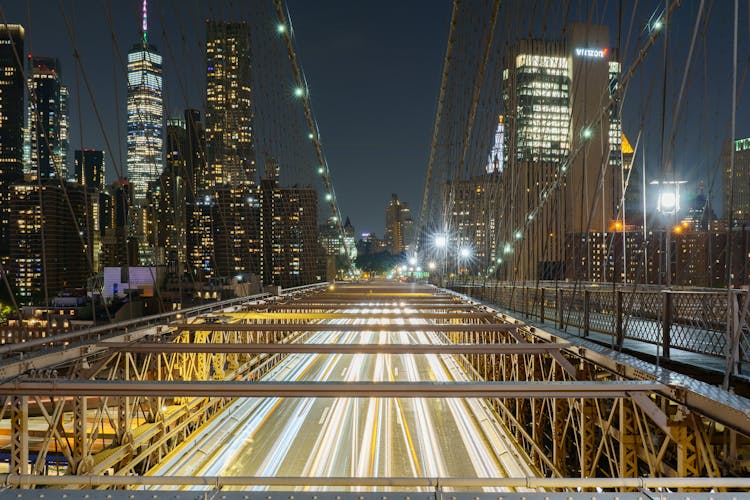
<point x="218" y="482"/>
<point x="313" y="316"/>
<point x="297" y="348"/>
<point x="333" y="327"/>
<point x="120" y="388"/>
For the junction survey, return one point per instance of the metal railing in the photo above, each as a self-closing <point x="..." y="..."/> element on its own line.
<point x="693" y="320"/>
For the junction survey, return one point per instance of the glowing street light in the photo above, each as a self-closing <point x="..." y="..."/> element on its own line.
<point x="431" y="266"/>
<point x="412" y="261"/>
<point x="465" y="253"/>
<point x="441" y="240"/>
<point x="281" y="28"/>
<point x="299" y="92"/>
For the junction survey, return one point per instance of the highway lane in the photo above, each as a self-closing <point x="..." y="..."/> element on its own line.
<point x="377" y="437"/>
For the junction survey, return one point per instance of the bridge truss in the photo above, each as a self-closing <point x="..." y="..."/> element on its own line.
<point x="108" y="408"/>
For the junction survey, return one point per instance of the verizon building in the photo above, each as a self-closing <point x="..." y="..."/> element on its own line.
<point x="560" y="128"/>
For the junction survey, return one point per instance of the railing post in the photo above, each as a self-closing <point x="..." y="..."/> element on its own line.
<point x="734" y="333"/>
<point x="525" y="302"/>
<point x="586" y="312"/>
<point x="558" y="305"/>
<point x="666" y="330"/>
<point x="618" y="318"/>
<point x="541" y="305"/>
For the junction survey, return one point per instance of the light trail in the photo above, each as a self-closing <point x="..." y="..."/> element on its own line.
<point x="366" y="437"/>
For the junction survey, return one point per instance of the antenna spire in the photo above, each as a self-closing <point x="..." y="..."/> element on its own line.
<point x="144" y="26"/>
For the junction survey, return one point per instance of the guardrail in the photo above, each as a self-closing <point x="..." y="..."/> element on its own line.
<point x="109" y="329"/>
<point x="702" y="321"/>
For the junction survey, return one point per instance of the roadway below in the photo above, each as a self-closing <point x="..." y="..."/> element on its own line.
<point x="364" y="437"/>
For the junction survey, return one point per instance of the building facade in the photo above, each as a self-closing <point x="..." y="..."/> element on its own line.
<point x="559" y="120"/>
<point x="46" y="141"/>
<point x="399" y="225"/>
<point x="12" y="91"/>
<point x="289" y="232"/>
<point x="145" y="111"/>
<point x="89" y="168"/>
<point x="737" y="199"/>
<point x="229" y="111"/>
<point x="44" y="257"/>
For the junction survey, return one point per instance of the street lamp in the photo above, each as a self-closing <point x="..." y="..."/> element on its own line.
<point x="668" y="204"/>
<point x="440" y="242"/>
<point x="463" y="255"/>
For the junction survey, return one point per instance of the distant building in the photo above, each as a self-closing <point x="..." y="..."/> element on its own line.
<point x="56" y="259"/>
<point x="330" y="238"/>
<point x="369" y="244"/>
<point x="170" y="197"/>
<point x="290" y="236"/>
<point x="12" y="91"/>
<point x="472" y="217"/>
<point x="740" y="202"/>
<point x="554" y="97"/>
<point x="229" y="105"/>
<point x="399" y="225"/>
<point x="227" y="203"/>
<point x="496" y="157"/>
<point x="46" y="119"/>
<point x="119" y="246"/>
<point x="89" y="168"/>
<point x="145" y="114"/>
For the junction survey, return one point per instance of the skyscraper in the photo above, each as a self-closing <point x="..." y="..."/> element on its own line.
<point x="89" y="168"/>
<point x="229" y="112"/>
<point x="46" y="119"/>
<point x="228" y="203"/>
<point x="11" y="122"/>
<point x="739" y="203"/>
<point x="398" y="225"/>
<point x="45" y="258"/>
<point x="290" y="231"/>
<point x="559" y="123"/>
<point x="145" y="113"/>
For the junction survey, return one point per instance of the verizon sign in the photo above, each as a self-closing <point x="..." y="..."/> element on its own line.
<point x="591" y="53"/>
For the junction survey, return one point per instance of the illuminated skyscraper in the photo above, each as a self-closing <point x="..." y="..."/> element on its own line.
<point x="229" y="113"/>
<point x="562" y="144"/>
<point x="47" y="120"/>
<point x="398" y="225"/>
<point x="145" y="114"/>
<point x="11" y="122"/>
<point x="89" y="168"/>
<point x="495" y="160"/>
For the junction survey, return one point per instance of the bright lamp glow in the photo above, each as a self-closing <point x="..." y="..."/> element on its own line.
<point x="298" y="92"/>
<point x="431" y="266"/>
<point x="668" y="200"/>
<point x="465" y="252"/>
<point x="281" y="28"/>
<point x="441" y="241"/>
<point x="412" y="261"/>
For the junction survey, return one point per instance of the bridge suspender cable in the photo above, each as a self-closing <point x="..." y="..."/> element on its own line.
<point x="303" y="94"/>
<point x="438" y="118"/>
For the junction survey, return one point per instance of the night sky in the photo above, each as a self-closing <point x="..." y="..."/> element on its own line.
<point x="374" y="73"/>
